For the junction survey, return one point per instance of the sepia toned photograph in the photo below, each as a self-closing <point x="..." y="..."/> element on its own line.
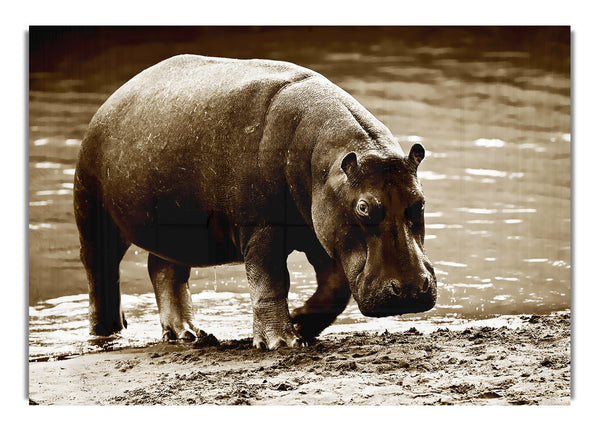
<point x="299" y="215"/>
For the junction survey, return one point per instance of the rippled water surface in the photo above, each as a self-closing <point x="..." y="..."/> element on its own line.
<point x="495" y="122"/>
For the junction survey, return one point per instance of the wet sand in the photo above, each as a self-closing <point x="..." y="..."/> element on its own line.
<point x="528" y="365"/>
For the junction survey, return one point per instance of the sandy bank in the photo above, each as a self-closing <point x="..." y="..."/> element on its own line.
<point x="526" y="365"/>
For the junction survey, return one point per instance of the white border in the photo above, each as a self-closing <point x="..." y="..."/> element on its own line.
<point x="585" y="161"/>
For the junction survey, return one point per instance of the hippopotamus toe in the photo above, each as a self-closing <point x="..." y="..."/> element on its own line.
<point x="274" y="342"/>
<point x="180" y="332"/>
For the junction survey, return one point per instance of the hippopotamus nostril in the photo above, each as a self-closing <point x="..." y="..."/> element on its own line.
<point x="425" y="287"/>
<point x="396" y="287"/>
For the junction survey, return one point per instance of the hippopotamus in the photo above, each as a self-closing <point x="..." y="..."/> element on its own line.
<point x="205" y="161"/>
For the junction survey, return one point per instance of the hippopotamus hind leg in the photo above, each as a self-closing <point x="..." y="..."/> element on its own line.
<point x="329" y="300"/>
<point x="173" y="297"/>
<point x="101" y="251"/>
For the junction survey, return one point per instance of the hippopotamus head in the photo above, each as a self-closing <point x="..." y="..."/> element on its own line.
<point x="369" y="217"/>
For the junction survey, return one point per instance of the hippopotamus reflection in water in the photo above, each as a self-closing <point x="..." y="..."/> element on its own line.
<point x="204" y="161"/>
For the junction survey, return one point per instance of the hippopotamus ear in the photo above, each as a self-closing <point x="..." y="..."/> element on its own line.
<point x="349" y="164"/>
<point x="417" y="154"/>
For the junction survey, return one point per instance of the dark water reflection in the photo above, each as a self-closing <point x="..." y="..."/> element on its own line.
<point x="491" y="106"/>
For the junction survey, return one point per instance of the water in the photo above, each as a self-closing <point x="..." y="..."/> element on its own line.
<point x="494" y="117"/>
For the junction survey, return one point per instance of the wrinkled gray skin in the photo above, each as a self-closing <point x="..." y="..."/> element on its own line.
<point x="203" y="161"/>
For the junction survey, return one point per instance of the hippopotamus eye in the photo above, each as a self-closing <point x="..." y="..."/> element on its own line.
<point x="362" y="208"/>
<point x="369" y="211"/>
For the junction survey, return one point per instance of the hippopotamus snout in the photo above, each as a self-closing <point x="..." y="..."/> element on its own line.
<point x="392" y="296"/>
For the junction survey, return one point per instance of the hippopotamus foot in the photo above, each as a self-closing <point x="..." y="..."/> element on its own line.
<point x="329" y="300"/>
<point x="101" y="325"/>
<point x="308" y="324"/>
<point x="173" y="297"/>
<point x="273" y="327"/>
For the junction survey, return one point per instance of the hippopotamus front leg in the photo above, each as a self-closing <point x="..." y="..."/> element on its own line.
<point x="269" y="280"/>
<point x="327" y="302"/>
<point x="173" y="297"/>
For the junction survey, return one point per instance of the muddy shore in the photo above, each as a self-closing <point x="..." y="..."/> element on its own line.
<point x="528" y="365"/>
